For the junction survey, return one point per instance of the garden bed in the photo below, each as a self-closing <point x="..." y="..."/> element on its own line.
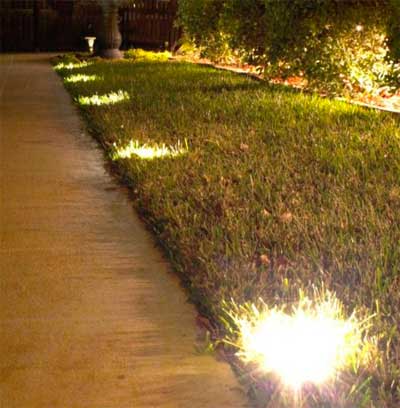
<point x="257" y="190"/>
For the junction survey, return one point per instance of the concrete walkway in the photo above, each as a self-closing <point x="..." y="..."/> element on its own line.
<point x="90" y="316"/>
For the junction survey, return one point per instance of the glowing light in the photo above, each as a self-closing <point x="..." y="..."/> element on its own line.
<point x="359" y="27"/>
<point x="309" y="345"/>
<point x="106" y="99"/>
<point x="148" y="152"/>
<point x="300" y="348"/>
<point x="81" y="78"/>
<point x="70" y="65"/>
<point x="90" y="41"/>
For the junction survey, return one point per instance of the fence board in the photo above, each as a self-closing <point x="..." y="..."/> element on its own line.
<point x="150" y="24"/>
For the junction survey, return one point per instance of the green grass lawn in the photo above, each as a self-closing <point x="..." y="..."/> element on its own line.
<point x="271" y="191"/>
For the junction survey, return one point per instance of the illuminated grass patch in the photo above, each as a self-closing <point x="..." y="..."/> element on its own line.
<point x="138" y="54"/>
<point x="106" y="99"/>
<point x="81" y="78"/>
<point x="70" y="66"/>
<point x="147" y="152"/>
<point x="311" y="343"/>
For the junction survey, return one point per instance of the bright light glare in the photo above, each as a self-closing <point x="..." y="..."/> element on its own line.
<point x="148" y="152"/>
<point x="81" y="78"/>
<point x="300" y="348"/>
<point x="359" y="27"/>
<point x="309" y="345"/>
<point x="107" y="99"/>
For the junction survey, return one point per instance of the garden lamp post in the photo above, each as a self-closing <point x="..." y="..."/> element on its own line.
<point x="110" y="38"/>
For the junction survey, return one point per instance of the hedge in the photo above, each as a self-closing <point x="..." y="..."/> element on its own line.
<point x="337" y="45"/>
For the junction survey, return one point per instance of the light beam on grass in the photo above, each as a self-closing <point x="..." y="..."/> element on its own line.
<point x="309" y="345"/>
<point x="70" y="66"/>
<point x="147" y="152"/>
<point x="107" y="99"/>
<point x="81" y="78"/>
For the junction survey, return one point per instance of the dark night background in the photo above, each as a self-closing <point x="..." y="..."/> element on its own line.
<point x="56" y="25"/>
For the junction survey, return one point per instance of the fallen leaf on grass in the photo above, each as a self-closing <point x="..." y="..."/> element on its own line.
<point x="264" y="259"/>
<point x="286" y="217"/>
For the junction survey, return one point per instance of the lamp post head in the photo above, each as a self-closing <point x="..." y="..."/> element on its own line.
<point x="90" y="41"/>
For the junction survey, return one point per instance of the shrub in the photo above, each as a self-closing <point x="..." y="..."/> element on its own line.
<point x="337" y="45"/>
<point x="137" y="54"/>
<point x="201" y="20"/>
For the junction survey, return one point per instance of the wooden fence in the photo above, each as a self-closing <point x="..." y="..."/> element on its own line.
<point x="150" y="23"/>
<point x="58" y="25"/>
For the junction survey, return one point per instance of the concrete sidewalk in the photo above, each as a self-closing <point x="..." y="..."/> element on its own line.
<point x="90" y="316"/>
